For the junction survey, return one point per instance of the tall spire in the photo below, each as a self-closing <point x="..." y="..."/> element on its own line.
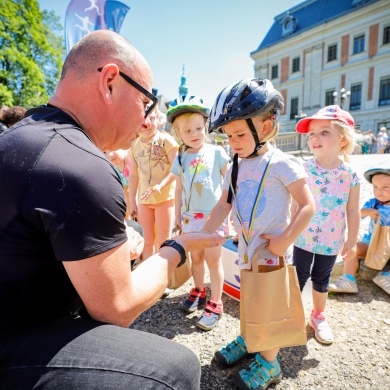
<point x="183" y="89"/>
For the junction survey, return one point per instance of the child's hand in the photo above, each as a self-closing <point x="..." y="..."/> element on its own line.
<point x="372" y="213"/>
<point x="276" y="244"/>
<point x="349" y="251"/>
<point x="150" y="190"/>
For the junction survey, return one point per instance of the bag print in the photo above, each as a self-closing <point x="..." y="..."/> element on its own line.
<point x="271" y="309"/>
<point x="378" y="252"/>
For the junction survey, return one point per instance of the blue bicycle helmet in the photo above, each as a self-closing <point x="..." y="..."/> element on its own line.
<point x="184" y="104"/>
<point x="246" y="99"/>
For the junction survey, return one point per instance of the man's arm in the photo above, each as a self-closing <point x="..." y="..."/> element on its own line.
<point x="114" y="294"/>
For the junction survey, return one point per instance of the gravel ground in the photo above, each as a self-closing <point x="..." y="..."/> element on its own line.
<point x="358" y="359"/>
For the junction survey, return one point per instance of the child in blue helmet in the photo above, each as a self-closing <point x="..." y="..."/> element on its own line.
<point x="377" y="207"/>
<point x="247" y="113"/>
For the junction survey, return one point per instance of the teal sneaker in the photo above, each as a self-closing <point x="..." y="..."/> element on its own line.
<point x="232" y="353"/>
<point x="260" y="375"/>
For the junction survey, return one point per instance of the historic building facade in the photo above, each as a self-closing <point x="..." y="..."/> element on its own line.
<point x="322" y="52"/>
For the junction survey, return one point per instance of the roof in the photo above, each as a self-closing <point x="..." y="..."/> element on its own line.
<point x="307" y="15"/>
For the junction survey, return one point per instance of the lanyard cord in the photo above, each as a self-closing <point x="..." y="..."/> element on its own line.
<point x="246" y="235"/>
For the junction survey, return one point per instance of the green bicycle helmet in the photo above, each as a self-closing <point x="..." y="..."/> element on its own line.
<point x="184" y="104"/>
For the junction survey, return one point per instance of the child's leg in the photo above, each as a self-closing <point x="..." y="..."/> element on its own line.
<point x="320" y="275"/>
<point x="214" y="263"/>
<point x="146" y="219"/>
<point x="302" y="261"/>
<point x="198" y="270"/>
<point x="164" y="213"/>
<point x="351" y="266"/>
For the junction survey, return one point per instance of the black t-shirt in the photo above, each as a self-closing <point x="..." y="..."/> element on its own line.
<point x="60" y="200"/>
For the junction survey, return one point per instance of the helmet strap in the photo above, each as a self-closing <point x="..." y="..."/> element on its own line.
<point x="256" y="138"/>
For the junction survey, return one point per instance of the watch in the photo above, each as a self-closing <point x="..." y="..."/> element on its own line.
<point x="179" y="248"/>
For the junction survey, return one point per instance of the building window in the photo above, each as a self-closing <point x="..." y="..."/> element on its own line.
<point x="294" y="108"/>
<point x="274" y="72"/>
<point x="384" y="92"/>
<point x="358" y="44"/>
<point x="329" y="98"/>
<point x="386" y="35"/>
<point x="356" y="97"/>
<point x="295" y="65"/>
<point x="332" y="52"/>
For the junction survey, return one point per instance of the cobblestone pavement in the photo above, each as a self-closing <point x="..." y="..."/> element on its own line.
<point x="358" y="359"/>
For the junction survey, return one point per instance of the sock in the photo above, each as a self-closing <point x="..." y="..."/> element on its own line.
<point x="350" y="277"/>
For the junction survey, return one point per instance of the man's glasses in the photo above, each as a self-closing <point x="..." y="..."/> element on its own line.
<point x="140" y="88"/>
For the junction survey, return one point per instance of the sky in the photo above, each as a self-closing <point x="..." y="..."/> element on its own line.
<point x="213" y="39"/>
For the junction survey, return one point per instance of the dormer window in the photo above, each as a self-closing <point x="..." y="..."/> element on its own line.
<point x="289" y="24"/>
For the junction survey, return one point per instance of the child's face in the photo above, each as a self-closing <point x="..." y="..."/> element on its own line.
<point x="324" y="139"/>
<point x="381" y="187"/>
<point x="191" y="130"/>
<point x="149" y="127"/>
<point x="240" y="137"/>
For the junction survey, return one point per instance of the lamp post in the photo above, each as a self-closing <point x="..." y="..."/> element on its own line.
<point x="344" y="95"/>
<point x="297" y="119"/>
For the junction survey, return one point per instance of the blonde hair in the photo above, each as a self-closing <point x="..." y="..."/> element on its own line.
<point x="274" y="129"/>
<point x="182" y="119"/>
<point x="348" y="133"/>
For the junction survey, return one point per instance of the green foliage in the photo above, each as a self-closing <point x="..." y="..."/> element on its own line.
<point x="31" y="55"/>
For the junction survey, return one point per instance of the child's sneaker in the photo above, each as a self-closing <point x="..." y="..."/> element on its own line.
<point x="232" y="353"/>
<point x="260" y="375"/>
<point x="210" y="316"/>
<point x="195" y="298"/>
<point x="321" y="327"/>
<point x="383" y="281"/>
<point x="344" y="285"/>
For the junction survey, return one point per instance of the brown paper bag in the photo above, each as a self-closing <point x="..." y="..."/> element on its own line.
<point x="378" y="251"/>
<point x="183" y="273"/>
<point x="271" y="309"/>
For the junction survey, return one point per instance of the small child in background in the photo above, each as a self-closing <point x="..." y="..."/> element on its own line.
<point x="151" y="157"/>
<point x="199" y="169"/>
<point x="375" y="208"/>
<point x="247" y="113"/>
<point x="336" y="189"/>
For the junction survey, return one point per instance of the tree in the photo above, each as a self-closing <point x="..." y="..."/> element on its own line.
<point x="32" y="52"/>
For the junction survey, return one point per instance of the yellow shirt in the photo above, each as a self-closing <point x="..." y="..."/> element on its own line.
<point x="153" y="165"/>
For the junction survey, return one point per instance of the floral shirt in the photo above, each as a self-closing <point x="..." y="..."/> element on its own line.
<point x="325" y="233"/>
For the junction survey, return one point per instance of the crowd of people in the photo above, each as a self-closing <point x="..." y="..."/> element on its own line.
<point x="86" y="167"/>
<point x="369" y="143"/>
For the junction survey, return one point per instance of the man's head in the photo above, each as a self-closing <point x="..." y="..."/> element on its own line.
<point x="105" y="85"/>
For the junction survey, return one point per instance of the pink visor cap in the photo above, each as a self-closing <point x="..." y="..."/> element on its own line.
<point x="334" y="113"/>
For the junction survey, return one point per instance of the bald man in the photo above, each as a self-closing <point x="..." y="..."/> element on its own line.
<point x="68" y="295"/>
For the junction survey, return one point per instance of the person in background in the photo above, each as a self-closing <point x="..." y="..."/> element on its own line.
<point x="247" y="113"/>
<point x="120" y="160"/>
<point x="151" y="157"/>
<point x="68" y="294"/>
<point x="375" y="208"/>
<point x="381" y="142"/>
<point x="3" y="126"/>
<point x="199" y="169"/>
<point x="13" y="115"/>
<point x="336" y="189"/>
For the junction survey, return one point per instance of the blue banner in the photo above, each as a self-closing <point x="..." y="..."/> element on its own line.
<point x="84" y="16"/>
